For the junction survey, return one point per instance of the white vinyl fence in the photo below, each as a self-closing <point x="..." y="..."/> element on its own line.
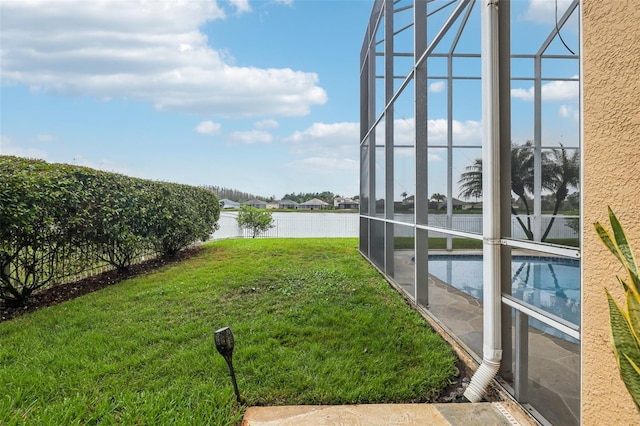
<point x="309" y="225"/>
<point x="294" y="225"/>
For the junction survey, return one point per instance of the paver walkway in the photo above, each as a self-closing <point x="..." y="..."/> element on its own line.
<point x="466" y="414"/>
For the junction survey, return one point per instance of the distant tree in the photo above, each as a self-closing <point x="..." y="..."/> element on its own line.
<point x="231" y="194"/>
<point x="522" y="161"/>
<point x="255" y="220"/>
<point x="573" y="201"/>
<point x="471" y="181"/>
<point x="565" y="174"/>
<point x="438" y="198"/>
<point x="560" y="172"/>
<point x="404" y="195"/>
<point x="326" y="196"/>
<point x="572" y="222"/>
<point x="298" y="198"/>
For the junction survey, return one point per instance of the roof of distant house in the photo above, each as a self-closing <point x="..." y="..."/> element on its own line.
<point x="255" y="201"/>
<point x="227" y="203"/>
<point x="314" y="202"/>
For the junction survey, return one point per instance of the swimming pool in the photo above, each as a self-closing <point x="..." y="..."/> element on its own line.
<point x="549" y="283"/>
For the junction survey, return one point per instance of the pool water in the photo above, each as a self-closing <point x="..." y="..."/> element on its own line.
<point x="552" y="284"/>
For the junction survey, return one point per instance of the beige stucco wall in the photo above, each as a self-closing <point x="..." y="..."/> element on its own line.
<point x="611" y="79"/>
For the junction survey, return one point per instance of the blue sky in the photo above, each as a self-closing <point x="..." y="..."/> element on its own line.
<point x="260" y="96"/>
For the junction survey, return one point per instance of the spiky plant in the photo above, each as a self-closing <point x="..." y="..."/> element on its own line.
<point x="625" y="321"/>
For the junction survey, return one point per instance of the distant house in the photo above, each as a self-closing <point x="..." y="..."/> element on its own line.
<point x="258" y="204"/>
<point x="287" y="204"/>
<point x="271" y="205"/>
<point x="409" y="201"/>
<point x="313" y="204"/>
<point x="456" y="204"/>
<point x="226" y="203"/>
<point x="345" y="203"/>
<point x="472" y="205"/>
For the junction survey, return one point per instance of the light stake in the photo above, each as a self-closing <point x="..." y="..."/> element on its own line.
<point x="223" y="339"/>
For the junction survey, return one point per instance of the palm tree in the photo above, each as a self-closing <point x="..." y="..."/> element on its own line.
<point x="437" y="197"/>
<point x="522" y="163"/>
<point x="559" y="172"/>
<point x="471" y="181"/>
<point x="439" y="200"/>
<point x="564" y="174"/>
<point x="522" y="172"/>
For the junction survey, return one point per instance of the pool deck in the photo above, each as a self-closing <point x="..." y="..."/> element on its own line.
<point x="553" y="370"/>
<point x="462" y="414"/>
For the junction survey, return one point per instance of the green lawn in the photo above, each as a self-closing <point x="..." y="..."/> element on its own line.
<point x="313" y="323"/>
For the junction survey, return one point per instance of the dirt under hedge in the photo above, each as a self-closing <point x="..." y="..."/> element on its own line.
<point x="63" y="292"/>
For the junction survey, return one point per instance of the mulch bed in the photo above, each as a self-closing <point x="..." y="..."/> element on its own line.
<point x="63" y="292"/>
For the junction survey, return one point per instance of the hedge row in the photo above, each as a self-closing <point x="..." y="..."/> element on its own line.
<point x="56" y="217"/>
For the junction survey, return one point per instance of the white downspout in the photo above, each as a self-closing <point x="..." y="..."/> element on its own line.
<point x="491" y="286"/>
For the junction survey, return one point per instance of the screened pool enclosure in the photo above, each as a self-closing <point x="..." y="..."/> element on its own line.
<point x="470" y="182"/>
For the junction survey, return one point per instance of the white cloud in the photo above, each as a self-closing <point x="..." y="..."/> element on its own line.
<point x="251" y="137"/>
<point x="333" y="147"/>
<point x="266" y="124"/>
<point x="544" y="11"/>
<point x="434" y="157"/>
<point x="7" y="147"/>
<point x="321" y="173"/>
<point x="568" y="111"/>
<point x="437" y="87"/>
<point x="241" y="6"/>
<point x="558" y="90"/>
<point x="152" y="51"/>
<point x="466" y="132"/>
<point x="524" y="94"/>
<point x="324" y="164"/>
<point x="329" y="154"/>
<point x="208" y="127"/>
<point x="283" y="2"/>
<point x="332" y="140"/>
<point x="564" y="111"/>
<point x="45" y="138"/>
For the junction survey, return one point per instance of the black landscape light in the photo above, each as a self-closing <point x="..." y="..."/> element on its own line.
<point x="223" y="339"/>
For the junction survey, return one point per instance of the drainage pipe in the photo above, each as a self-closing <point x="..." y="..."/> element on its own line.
<point x="491" y="286"/>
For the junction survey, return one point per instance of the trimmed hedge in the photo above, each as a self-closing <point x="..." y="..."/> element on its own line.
<point x="57" y="218"/>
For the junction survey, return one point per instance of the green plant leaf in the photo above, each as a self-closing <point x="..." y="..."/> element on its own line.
<point x="633" y="313"/>
<point x="626" y="348"/>
<point x="624" y="248"/>
<point x="624" y="285"/>
<point x="636" y="283"/>
<point x="619" y="246"/>
<point x="633" y="364"/>
<point x="624" y="339"/>
<point x="632" y="380"/>
<point x="608" y="241"/>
